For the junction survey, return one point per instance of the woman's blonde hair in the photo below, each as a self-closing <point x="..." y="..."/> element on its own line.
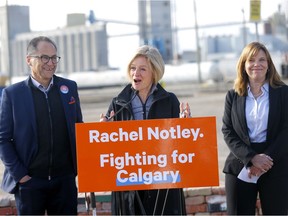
<point x="241" y="81"/>
<point x="154" y="59"/>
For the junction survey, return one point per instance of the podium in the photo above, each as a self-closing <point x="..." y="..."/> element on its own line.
<point x="147" y="158"/>
<point x="159" y="207"/>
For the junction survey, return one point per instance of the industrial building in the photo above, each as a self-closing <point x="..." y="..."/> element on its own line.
<point x="84" y="47"/>
<point x="81" y="47"/>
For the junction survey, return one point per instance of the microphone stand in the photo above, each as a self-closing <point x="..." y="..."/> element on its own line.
<point x="120" y="195"/>
<point x="90" y="200"/>
<point x="143" y="212"/>
<point x="165" y="200"/>
<point x="164" y="204"/>
<point x="93" y="203"/>
<point x="181" y="200"/>
<point x="123" y="107"/>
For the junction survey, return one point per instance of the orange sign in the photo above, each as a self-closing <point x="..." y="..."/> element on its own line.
<point x="147" y="154"/>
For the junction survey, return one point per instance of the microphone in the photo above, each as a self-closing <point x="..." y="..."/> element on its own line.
<point x="135" y="94"/>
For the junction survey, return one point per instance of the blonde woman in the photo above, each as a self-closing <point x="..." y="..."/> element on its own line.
<point x="144" y="98"/>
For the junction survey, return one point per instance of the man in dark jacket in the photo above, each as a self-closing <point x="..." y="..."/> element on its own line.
<point x="37" y="136"/>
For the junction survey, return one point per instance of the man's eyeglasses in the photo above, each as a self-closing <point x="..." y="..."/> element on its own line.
<point x="45" y="59"/>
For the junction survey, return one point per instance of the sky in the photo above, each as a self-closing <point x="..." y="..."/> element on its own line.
<point x="52" y="14"/>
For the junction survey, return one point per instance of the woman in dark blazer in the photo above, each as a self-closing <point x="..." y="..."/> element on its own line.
<point x="255" y="128"/>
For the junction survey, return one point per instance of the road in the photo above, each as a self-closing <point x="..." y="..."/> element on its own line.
<point x="204" y="99"/>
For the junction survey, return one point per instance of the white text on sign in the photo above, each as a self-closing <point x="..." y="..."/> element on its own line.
<point x="152" y="133"/>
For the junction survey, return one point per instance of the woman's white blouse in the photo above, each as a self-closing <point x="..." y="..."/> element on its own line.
<point x="257" y="110"/>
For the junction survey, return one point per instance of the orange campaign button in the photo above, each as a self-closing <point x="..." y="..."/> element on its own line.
<point x="147" y="154"/>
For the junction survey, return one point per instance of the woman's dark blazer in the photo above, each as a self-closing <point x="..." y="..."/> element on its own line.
<point x="164" y="105"/>
<point x="236" y="136"/>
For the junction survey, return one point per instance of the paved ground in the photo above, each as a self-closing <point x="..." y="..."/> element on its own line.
<point x="205" y="100"/>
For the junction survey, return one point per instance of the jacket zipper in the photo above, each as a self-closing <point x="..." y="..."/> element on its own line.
<point x="51" y="138"/>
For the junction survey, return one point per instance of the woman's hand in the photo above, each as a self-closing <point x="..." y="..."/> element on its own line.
<point x="104" y="118"/>
<point x="184" y="110"/>
<point x="263" y="162"/>
<point x="254" y="171"/>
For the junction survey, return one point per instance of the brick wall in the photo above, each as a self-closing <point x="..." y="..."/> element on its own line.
<point x="207" y="200"/>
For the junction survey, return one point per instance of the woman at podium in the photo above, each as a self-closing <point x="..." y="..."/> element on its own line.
<point x="145" y="98"/>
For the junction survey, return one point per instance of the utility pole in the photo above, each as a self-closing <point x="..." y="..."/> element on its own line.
<point x="244" y="29"/>
<point x="197" y="44"/>
<point x="8" y="54"/>
<point x="175" y="34"/>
